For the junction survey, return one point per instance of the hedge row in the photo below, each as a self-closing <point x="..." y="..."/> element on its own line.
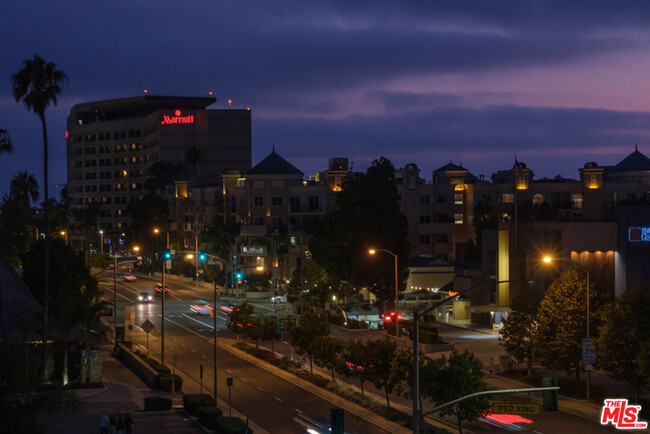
<point x="164" y="383"/>
<point x="192" y="402"/>
<point x="209" y="417"/>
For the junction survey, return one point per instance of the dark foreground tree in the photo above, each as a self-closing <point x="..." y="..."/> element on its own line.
<point x="623" y="345"/>
<point x="446" y="379"/>
<point x="519" y="327"/>
<point x="312" y="325"/>
<point x="38" y="84"/>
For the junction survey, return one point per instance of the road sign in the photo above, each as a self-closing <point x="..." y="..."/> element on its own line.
<point x="168" y="264"/>
<point x="282" y="324"/>
<point x="147" y="326"/>
<point x="588" y="351"/>
<point x="515" y="407"/>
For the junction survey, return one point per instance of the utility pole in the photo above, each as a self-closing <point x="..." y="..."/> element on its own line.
<point x="214" y="336"/>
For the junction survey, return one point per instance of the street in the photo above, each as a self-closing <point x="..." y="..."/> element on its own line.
<point x="277" y="405"/>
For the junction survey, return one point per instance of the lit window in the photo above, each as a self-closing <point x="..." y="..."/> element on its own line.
<point x="538" y="199"/>
<point x="458" y="219"/>
<point x="507" y="197"/>
<point x="425" y="239"/>
<point x="458" y="198"/>
<point x="577" y="200"/>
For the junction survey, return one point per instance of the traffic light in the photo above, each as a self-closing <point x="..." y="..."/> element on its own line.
<point x="167" y="254"/>
<point x="239" y="275"/>
<point x="202" y="256"/>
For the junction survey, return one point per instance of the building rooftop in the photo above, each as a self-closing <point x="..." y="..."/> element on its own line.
<point x="274" y="164"/>
<point x="635" y="162"/>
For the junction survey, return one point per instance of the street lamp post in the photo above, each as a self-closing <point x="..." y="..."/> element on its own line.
<point x="162" y="297"/>
<point x="101" y="242"/>
<point x="548" y="260"/>
<point x="372" y="252"/>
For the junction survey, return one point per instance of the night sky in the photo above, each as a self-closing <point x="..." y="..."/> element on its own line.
<point x="559" y="83"/>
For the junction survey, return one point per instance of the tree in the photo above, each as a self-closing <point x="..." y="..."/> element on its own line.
<point x="561" y="324"/>
<point x="147" y="213"/>
<point x="24" y="189"/>
<point x="75" y="293"/>
<point x="37" y="84"/>
<point x="262" y="329"/>
<point x="623" y="344"/>
<point x="446" y="379"/>
<point x="5" y="142"/>
<point x="383" y="352"/>
<point x="240" y="317"/>
<point x="357" y="359"/>
<point x="367" y="214"/>
<point x="327" y="353"/>
<point x="403" y="372"/>
<point x="193" y="156"/>
<point x="519" y="328"/>
<point x="312" y="325"/>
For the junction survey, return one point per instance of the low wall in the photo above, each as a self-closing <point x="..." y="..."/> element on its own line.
<point x="141" y="368"/>
<point x="258" y="294"/>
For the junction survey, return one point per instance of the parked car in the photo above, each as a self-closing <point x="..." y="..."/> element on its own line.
<point x="159" y="289"/>
<point x="279" y="299"/>
<point x="201" y="308"/>
<point x="145" y="297"/>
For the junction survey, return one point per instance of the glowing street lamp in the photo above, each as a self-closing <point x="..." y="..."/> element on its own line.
<point x="372" y="252"/>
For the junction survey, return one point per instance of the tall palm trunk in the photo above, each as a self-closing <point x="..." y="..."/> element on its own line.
<point x="46" y="272"/>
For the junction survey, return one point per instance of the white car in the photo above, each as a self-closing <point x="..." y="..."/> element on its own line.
<point x="279" y="299"/>
<point x="201" y="308"/>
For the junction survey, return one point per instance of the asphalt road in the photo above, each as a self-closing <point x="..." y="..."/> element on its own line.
<point x="277" y="405"/>
<point x="273" y="403"/>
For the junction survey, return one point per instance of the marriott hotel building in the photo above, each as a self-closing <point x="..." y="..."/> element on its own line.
<point x="112" y="145"/>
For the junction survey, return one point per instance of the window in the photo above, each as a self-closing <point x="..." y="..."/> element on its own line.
<point x="276" y="201"/>
<point x="277" y="222"/>
<point x="314" y="203"/>
<point x="258" y="221"/>
<point x="258" y="201"/>
<point x="441" y="217"/>
<point x="425" y="199"/>
<point x="294" y="201"/>
<point x="577" y="200"/>
<point x="507" y="197"/>
<point x="538" y="199"/>
<point x="258" y="184"/>
<point x="277" y="183"/>
<point x="458" y="219"/>
<point x="425" y="218"/>
<point x="442" y="198"/>
<point x="425" y="239"/>
<point x="458" y="198"/>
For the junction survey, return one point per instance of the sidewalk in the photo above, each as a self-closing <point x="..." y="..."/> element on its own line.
<point x="124" y="392"/>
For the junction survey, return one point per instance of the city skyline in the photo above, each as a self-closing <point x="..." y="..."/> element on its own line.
<point x="426" y="83"/>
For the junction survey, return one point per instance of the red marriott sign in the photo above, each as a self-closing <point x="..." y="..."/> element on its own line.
<point x="177" y="119"/>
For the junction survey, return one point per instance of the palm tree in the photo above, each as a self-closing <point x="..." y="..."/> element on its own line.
<point x="24" y="189"/>
<point x="38" y="83"/>
<point x="5" y="142"/>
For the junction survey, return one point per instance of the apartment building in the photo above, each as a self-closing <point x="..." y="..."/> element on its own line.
<point x="112" y="145"/>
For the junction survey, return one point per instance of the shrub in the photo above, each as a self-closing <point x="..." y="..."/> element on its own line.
<point x="336" y="319"/>
<point x="194" y="401"/>
<point x="157" y="403"/>
<point x="164" y="383"/>
<point x="231" y="425"/>
<point x="208" y="416"/>
<point x="158" y="366"/>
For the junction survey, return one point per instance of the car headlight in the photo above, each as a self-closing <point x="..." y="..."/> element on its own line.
<point x="140" y="297"/>
<point x="149" y="297"/>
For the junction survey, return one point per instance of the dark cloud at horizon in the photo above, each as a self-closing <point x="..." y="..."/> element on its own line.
<point x="330" y="78"/>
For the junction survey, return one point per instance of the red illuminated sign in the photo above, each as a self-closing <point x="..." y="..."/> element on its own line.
<point x="177" y="119"/>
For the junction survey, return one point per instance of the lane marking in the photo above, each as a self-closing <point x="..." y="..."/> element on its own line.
<point x="205" y="357"/>
<point x="298" y="410"/>
<point x="194" y="351"/>
<point x="243" y="379"/>
<point x="260" y="389"/>
<point x="229" y="371"/>
<point x="278" y="399"/>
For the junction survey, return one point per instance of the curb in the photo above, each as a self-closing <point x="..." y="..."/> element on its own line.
<point x="363" y="413"/>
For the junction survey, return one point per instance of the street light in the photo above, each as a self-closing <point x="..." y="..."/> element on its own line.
<point x="548" y="260"/>
<point x="101" y="242"/>
<point x="372" y="252"/>
<point x="162" y="297"/>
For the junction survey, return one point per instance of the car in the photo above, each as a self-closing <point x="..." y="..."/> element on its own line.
<point x="159" y="289"/>
<point x="279" y="299"/>
<point x="201" y="308"/>
<point x="129" y="277"/>
<point x="227" y="306"/>
<point x="144" y="297"/>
